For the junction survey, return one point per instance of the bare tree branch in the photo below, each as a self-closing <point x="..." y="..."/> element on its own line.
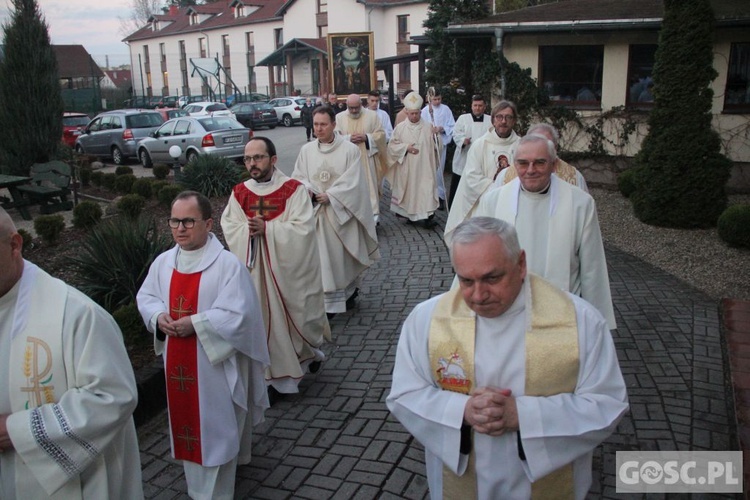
<point x="140" y="11"/>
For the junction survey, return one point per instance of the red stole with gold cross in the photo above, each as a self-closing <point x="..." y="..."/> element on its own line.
<point x="182" y="371"/>
<point x="269" y="206"/>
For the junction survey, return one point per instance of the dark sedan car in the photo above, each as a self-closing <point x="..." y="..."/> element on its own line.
<point x="255" y="114"/>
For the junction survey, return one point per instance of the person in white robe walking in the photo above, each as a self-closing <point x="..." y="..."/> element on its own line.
<point x="469" y="127"/>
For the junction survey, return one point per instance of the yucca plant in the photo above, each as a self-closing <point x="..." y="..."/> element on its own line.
<point x="211" y="175"/>
<point x="115" y="259"/>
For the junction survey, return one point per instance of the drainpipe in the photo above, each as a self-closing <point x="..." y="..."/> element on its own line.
<point x="499" y="49"/>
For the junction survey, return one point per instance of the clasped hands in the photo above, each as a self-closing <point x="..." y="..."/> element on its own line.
<point x="182" y="327"/>
<point x="412" y="150"/>
<point x="256" y="225"/>
<point x="491" y="411"/>
<point x="358" y="138"/>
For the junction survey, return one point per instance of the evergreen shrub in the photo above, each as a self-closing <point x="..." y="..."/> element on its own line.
<point x="168" y="193"/>
<point x="84" y="175"/>
<point x="28" y="240"/>
<point x="97" y="177"/>
<point x="49" y="228"/>
<point x="124" y="183"/>
<point x="115" y="258"/>
<point x="123" y="170"/>
<point x="161" y="171"/>
<point x="734" y="226"/>
<point x="131" y="205"/>
<point x="156" y="186"/>
<point x="108" y="181"/>
<point x="626" y="182"/>
<point x="87" y="214"/>
<point x="142" y="187"/>
<point x="129" y="320"/>
<point x="211" y="175"/>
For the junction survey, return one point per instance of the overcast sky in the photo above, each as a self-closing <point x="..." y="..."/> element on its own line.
<point x="95" y="24"/>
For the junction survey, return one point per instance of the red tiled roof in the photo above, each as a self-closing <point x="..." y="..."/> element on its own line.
<point x="74" y="61"/>
<point x="120" y="77"/>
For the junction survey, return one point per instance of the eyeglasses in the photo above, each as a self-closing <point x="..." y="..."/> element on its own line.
<point x="255" y="158"/>
<point x="539" y="163"/>
<point x="505" y="118"/>
<point x="187" y="223"/>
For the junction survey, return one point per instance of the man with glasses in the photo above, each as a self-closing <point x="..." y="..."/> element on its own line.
<point x="485" y="159"/>
<point x="270" y="226"/>
<point x="199" y="302"/>
<point x="469" y="127"/>
<point x="557" y="225"/>
<point x="362" y="128"/>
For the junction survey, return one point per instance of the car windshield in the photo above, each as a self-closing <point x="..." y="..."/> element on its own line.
<point x="144" y="120"/>
<point x="216" y="107"/>
<point x="301" y="102"/>
<point x="175" y="113"/>
<point x="74" y="121"/>
<point x="219" y="122"/>
<point x="264" y="107"/>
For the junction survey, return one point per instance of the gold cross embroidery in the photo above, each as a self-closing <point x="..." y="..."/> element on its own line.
<point x="187" y="438"/>
<point x="180" y="310"/>
<point x="261" y="208"/>
<point x="181" y="378"/>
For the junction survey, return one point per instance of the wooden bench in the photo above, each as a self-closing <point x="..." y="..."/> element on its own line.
<point x="49" y="188"/>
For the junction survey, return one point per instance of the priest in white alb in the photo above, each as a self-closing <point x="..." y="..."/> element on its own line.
<point x="362" y="128"/>
<point x="508" y="382"/>
<point x="440" y="116"/>
<point x="413" y="161"/>
<point x="557" y="225"/>
<point x="199" y="302"/>
<point x="67" y="389"/>
<point x="469" y="127"/>
<point x="344" y="224"/>
<point x="487" y="157"/>
<point x="269" y="225"/>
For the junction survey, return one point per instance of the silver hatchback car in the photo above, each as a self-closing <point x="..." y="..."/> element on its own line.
<point x="116" y="133"/>
<point x="218" y="135"/>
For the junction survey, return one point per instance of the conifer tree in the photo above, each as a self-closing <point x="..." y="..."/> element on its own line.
<point x="680" y="173"/>
<point x="32" y="106"/>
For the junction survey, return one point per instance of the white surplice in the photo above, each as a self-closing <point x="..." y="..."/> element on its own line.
<point x="554" y="430"/>
<point x="440" y="116"/>
<point x="478" y="175"/>
<point x="467" y="128"/>
<point x="286" y="273"/>
<point x="385" y="122"/>
<point x="83" y="443"/>
<point x="232" y="358"/>
<point x="560" y="233"/>
<point x="345" y="227"/>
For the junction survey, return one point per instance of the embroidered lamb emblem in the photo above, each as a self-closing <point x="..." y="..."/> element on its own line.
<point x="451" y="374"/>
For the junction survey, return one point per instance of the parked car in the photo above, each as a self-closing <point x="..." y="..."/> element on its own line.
<point x="189" y="99"/>
<point x="195" y="135"/>
<point x="208" y="109"/>
<point x="287" y="109"/>
<point x="116" y="133"/>
<point x="167" y="101"/>
<point x="169" y="113"/>
<point x="255" y="114"/>
<point x="249" y="97"/>
<point x="139" y="101"/>
<point x="73" y="125"/>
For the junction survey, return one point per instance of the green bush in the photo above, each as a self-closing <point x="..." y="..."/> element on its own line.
<point x="123" y="170"/>
<point x="626" y="182"/>
<point x="734" y="226"/>
<point x="161" y="171"/>
<point x="115" y="258"/>
<point x="211" y="175"/>
<point x="142" y="187"/>
<point x="87" y="214"/>
<point x="131" y="324"/>
<point x="131" y="205"/>
<point x="97" y="178"/>
<point x="28" y="240"/>
<point x="49" y="228"/>
<point x="84" y="175"/>
<point x="108" y="181"/>
<point x="124" y="183"/>
<point x="157" y="186"/>
<point x="168" y="193"/>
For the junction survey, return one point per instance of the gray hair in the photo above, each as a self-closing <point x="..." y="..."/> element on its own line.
<point x="534" y="138"/>
<point x="504" y="105"/>
<point x="545" y="129"/>
<point x="475" y="228"/>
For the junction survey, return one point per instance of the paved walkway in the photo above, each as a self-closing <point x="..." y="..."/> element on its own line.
<point x="336" y="439"/>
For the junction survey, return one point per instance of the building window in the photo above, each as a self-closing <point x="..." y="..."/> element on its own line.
<point x="203" y="45"/>
<point x="146" y="59"/>
<point x="737" y="94"/>
<point x="573" y="73"/>
<point x="239" y="11"/>
<point x="193" y="19"/>
<point x="404" y="72"/>
<point x="322" y="6"/>
<point x="162" y="53"/>
<point x="322" y="31"/>
<point x="278" y="36"/>
<point x="403" y="28"/>
<point x="640" y="83"/>
<point x="225" y="45"/>
<point x="183" y="53"/>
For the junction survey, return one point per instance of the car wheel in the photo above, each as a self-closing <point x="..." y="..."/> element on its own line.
<point x="145" y="158"/>
<point x="117" y="157"/>
<point x="79" y="149"/>
<point x="272" y="127"/>
<point x="287" y="121"/>
<point x="191" y="155"/>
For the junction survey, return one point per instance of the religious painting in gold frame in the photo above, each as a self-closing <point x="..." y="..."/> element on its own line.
<point x="351" y="63"/>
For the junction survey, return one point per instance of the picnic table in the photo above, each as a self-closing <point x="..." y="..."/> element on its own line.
<point x="11" y="183"/>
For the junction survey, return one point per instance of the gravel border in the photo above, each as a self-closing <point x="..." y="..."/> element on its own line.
<point x="697" y="256"/>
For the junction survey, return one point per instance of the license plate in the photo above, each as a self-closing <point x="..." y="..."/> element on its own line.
<point x="268" y="114"/>
<point x="233" y="139"/>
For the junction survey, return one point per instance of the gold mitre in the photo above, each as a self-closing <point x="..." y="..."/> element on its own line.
<point x="413" y="101"/>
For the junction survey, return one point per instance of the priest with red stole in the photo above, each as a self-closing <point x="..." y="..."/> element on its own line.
<point x="199" y="302"/>
<point x="269" y="224"/>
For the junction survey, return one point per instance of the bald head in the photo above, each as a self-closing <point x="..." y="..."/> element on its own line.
<point x="11" y="260"/>
<point x="354" y="105"/>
